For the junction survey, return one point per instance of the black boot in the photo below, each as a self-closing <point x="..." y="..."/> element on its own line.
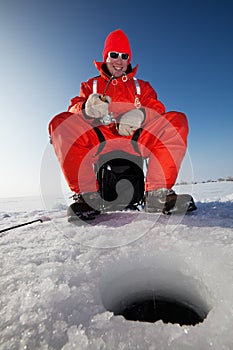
<point x="86" y="206"/>
<point x="167" y="202"/>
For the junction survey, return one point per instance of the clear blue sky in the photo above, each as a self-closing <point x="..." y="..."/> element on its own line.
<point x="183" y="47"/>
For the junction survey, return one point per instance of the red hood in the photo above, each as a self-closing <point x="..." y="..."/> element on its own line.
<point x="105" y="76"/>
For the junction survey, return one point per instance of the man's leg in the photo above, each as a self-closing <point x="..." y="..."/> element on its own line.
<point x="75" y="143"/>
<point x="164" y="142"/>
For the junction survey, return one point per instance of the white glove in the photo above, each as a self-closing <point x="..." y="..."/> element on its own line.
<point x="130" y="122"/>
<point x="95" y="107"/>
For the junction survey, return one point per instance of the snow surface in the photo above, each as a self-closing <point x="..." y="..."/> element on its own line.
<point x="60" y="281"/>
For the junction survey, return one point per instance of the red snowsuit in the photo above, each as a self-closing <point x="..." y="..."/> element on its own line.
<point x="163" y="139"/>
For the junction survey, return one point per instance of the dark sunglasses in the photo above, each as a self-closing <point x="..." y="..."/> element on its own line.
<point x="115" y="55"/>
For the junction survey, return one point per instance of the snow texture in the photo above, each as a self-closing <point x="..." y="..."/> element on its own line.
<point x="60" y="282"/>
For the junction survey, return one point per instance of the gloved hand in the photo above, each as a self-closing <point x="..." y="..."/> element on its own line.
<point x="130" y="122"/>
<point x="95" y="107"/>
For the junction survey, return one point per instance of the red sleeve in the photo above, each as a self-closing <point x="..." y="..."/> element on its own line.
<point x="150" y="101"/>
<point x="76" y="103"/>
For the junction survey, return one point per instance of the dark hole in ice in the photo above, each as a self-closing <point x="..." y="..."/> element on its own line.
<point x="155" y="309"/>
<point x="154" y="290"/>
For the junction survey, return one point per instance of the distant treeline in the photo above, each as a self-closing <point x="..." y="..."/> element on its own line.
<point x="221" y="179"/>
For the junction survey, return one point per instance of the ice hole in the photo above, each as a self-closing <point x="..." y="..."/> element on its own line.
<point x="149" y="294"/>
<point x="152" y="309"/>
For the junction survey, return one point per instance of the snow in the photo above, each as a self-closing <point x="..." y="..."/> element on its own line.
<point x="61" y="283"/>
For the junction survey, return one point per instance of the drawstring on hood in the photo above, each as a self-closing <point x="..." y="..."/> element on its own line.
<point x="129" y="75"/>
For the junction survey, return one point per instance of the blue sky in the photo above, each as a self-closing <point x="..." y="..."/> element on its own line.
<point x="183" y="48"/>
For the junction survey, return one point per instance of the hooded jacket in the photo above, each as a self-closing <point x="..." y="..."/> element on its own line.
<point x="122" y="91"/>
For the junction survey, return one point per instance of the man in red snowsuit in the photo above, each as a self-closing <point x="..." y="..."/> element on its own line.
<point x="126" y="113"/>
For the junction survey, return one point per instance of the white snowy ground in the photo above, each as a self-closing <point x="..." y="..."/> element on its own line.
<point x="59" y="281"/>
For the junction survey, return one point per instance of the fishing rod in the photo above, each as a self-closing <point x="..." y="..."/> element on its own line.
<point x="42" y="219"/>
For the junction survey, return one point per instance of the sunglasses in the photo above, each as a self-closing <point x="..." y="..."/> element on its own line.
<point x="115" y="55"/>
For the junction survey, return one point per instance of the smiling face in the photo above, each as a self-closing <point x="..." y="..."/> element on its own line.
<point x="117" y="66"/>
